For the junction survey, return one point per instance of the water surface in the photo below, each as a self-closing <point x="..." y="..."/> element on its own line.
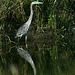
<point x="48" y="54"/>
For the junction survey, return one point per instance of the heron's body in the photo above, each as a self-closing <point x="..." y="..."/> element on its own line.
<point x="24" y="28"/>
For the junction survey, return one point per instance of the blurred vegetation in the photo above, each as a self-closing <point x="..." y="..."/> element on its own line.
<point x="52" y="20"/>
<point x="51" y="38"/>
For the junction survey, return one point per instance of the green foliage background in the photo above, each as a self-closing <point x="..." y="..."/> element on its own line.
<point x="51" y="35"/>
<point x="51" y="14"/>
<point x="54" y="18"/>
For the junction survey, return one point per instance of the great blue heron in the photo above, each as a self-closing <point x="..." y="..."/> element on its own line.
<point x="24" y="28"/>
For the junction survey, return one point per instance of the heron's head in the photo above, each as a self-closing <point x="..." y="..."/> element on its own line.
<point x="36" y="2"/>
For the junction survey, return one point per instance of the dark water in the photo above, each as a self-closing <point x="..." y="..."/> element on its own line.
<point x="50" y="56"/>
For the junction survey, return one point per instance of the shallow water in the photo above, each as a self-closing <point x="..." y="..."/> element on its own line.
<point x="49" y="56"/>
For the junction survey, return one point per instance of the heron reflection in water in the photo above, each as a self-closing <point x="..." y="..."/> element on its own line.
<point x="24" y="28"/>
<point x="24" y="54"/>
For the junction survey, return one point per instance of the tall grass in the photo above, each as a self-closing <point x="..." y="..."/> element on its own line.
<point x="54" y="18"/>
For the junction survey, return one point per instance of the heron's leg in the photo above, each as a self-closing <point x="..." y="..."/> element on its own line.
<point x="18" y="40"/>
<point x="26" y="41"/>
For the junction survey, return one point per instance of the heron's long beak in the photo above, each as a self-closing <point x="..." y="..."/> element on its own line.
<point x="35" y="2"/>
<point x="39" y="3"/>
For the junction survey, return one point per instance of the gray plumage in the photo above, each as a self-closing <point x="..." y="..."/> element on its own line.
<point x="24" y="28"/>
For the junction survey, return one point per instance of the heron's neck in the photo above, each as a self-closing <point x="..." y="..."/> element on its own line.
<point x="31" y="15"/>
